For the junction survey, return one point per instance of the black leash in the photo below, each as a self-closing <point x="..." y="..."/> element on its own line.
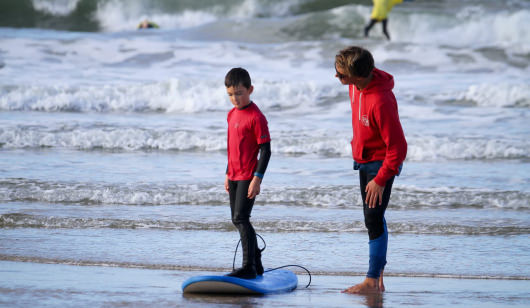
<point x="237" y="246"/>
<point x="292" y="265"/>
<point x="272" y="269"/>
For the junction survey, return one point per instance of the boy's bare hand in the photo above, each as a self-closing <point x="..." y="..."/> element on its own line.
<point x="254" y="188"/>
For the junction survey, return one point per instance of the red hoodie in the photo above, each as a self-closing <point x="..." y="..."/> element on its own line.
<point x="377" y="132"/>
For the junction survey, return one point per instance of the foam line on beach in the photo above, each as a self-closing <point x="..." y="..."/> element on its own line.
<point x="42" y="260"/>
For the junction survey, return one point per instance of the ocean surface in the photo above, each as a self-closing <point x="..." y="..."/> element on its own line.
<point x="113" y="141"/>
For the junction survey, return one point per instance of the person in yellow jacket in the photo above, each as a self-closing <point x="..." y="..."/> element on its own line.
<point x="379" y="13"/>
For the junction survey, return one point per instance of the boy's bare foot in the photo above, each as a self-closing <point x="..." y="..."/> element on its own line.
<point x="381" y="284"/>
<point x="368" y="286"/>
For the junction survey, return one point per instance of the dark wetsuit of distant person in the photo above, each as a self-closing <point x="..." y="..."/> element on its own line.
<point x="380" y="14"/>
<point x="146" y="24"/>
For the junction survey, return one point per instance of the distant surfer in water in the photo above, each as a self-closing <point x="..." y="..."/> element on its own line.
<point x="380" y="14"/>
<point x="379" y="149"/>
<point x="146" y="24"/>
<point x="248" y="134"/>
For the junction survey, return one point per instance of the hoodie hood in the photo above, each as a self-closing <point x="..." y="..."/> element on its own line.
<point x="381" y="81"/>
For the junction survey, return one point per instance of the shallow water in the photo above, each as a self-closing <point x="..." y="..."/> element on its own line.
<point x="55" y="285"/>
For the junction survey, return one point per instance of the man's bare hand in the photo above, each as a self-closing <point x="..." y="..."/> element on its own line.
<point x="374" y="194"/>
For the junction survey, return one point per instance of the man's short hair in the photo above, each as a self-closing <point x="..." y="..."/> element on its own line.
<point x="238" y="76"/>
<point x="357" y="61"/>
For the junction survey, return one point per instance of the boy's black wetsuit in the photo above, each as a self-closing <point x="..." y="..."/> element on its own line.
<point x="240" y="208"/>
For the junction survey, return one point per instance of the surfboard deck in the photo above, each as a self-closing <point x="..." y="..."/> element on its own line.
<point x="271" y="282"/>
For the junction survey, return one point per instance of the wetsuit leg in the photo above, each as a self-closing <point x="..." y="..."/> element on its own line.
<point x="385" y="30"/>
<point x="374" y="219"/>
<point x="241" y="207"/>
<point x="369" y="26"/>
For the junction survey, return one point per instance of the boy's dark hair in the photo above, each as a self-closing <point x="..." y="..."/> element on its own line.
<point x="238" y="76"/>
<point x="357" y="61"/>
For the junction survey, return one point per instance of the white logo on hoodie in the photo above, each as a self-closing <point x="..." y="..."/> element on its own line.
<point x="365" y="121"/>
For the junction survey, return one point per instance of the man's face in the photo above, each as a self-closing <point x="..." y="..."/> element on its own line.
<point x="342" y="74"/>
<point x="239" y="95"/>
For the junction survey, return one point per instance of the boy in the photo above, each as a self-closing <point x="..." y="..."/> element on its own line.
<point x="378" y="147"/>
<point x="248" y="134"/>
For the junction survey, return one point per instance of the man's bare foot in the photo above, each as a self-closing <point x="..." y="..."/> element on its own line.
<point x="368" y="286"/>
<point x="381" y="284"/>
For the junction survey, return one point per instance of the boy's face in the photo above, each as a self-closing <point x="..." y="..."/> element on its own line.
<point x="239" y="95"/>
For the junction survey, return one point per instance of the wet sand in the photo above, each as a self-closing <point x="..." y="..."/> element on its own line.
<point x="26" y="284"/>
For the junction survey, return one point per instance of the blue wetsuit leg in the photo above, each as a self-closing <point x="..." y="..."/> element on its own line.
<point x="378" y="248"/>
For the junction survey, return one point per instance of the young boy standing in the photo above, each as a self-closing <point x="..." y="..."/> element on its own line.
<point x="248" y="134"/>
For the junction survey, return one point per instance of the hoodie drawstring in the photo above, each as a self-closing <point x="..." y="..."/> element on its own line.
<point x="360" y="103"/>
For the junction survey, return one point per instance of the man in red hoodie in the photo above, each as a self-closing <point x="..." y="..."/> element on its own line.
<point x="379" y="149"/>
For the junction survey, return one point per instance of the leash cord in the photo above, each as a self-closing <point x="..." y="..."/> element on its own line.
<point x="272" y="269"/>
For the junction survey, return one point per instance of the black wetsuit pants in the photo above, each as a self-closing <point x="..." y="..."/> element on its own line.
<point x="240" y="208"/>
<point x="374" y="217"/>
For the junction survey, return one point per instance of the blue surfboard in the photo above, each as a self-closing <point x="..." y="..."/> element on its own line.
<point x="271" y="282"/>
